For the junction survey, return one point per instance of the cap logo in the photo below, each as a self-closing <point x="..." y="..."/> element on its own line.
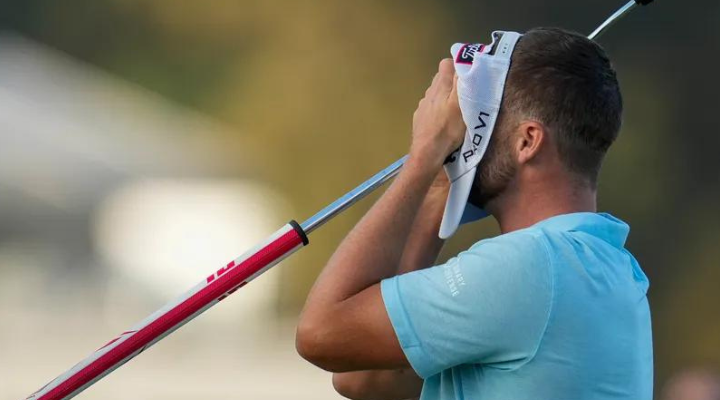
<point x="481" y="120"/>
<point x="476" y="140"/>
<point x="477" y="137"/>
<point x="466" y="55"/>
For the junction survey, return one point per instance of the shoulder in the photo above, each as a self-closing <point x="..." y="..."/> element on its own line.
<point x="516" y="264"/>
<point x="525" y="247"/>
<point x="510" y="282"/>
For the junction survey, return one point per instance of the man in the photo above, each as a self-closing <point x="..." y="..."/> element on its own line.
<point x="554" y="308"/>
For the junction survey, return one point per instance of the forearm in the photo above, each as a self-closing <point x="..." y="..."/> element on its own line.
<point x="421" y="250"/>
<point x="424" y="244"/>
<point x="372" y="251"/>
<point x="346" y="300"/>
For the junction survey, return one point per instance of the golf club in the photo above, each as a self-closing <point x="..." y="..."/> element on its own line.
<point x="225" y="281"/>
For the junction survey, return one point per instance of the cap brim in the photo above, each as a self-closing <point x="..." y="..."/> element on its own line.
<point x="456" y="202"/>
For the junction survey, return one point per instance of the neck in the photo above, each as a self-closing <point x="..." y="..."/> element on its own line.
<point x="523" y="205"/>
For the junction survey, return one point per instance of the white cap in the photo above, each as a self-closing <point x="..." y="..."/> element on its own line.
<point x="482" y="71"/>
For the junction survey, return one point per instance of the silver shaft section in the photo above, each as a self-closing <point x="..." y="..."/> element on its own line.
<point x="352" y="196"/>
<point x="613" y="19"/>
<point x="388" y="173"/>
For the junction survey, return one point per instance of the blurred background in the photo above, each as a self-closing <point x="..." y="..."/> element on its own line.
<point x="144" y="143"/>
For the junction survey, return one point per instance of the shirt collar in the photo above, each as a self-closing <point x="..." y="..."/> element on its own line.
<point x="602" y="225"/>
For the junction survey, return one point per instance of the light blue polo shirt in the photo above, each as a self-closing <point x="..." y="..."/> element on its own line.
<point x="556" y="311"/>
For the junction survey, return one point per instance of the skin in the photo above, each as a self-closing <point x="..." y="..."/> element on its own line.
<point x="344" y="327"/>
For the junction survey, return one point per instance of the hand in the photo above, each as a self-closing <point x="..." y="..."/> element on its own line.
<point x="438" y="127"/>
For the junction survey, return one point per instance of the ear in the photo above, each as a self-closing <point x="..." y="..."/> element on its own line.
<point x="531" y="137"/>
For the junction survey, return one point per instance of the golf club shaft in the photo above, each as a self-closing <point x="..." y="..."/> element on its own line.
<point x="624" y="10"/>
<point x="223" y="282"/>
<point x="353" y="196"/>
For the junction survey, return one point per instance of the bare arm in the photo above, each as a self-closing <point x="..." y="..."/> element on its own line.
<point x="424" y="245"/>
<point x="421" y="251"/>
<point x="378" y="385"/>
<point x="344" y="326"/>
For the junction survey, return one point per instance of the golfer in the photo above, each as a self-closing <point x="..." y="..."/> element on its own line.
<point x="555" y="307"/>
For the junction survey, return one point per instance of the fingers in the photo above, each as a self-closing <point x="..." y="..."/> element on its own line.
<point x="437" y="122"/>
<point x="443" y="79"/>
<point x="433" y="83"/>
<point x="432" y="89"/>
<point x="446" y="72"/>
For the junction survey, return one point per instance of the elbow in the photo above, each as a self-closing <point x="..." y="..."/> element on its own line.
<point x="312" y="345"/>
<point x="347" y="385"/>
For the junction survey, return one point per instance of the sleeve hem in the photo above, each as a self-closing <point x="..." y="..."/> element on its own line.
<point x="419" y="361"/>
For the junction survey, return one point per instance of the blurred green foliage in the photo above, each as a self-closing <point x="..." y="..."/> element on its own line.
<point x="324" y="92"/>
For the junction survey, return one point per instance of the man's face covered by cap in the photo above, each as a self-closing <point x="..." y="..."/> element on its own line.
<point x="498" y="167"/>
<point x="481" y="74"/>
<point x="499" y="164"/>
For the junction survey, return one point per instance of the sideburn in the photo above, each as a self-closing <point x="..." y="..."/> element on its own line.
<point x="495" y="172"/>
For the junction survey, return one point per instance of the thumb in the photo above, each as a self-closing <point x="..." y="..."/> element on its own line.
<point x="446" y="71"/>
<point x="453" y="99"/>
<point x="453" y="103"/>
<point x="453" y="95"/>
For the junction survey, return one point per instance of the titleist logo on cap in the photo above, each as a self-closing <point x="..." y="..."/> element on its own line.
<point x="467" y="53"/>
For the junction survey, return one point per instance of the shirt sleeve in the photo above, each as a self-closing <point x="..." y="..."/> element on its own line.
<point x="489" y="305"/>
